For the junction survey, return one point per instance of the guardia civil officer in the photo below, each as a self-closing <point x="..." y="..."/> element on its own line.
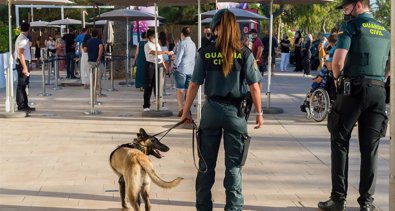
<point x="361" y="55"/>
<point x="227" y="70"/>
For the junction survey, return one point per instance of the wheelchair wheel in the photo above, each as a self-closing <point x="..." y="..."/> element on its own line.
<point x="320" y="104"/>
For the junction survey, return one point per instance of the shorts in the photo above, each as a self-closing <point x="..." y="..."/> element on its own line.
<point x="266" y="57"/>
<point x="182" y="80"/>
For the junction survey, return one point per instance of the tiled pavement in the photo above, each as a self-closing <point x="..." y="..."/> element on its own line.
<point x="57" y="159"/>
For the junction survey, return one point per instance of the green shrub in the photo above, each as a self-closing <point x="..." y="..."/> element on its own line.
<point x="4" y="37"/>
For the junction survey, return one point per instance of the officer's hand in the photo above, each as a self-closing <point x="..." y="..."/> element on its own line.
<point x="259" y="121"/>
<point x="186" y="116"/>
<point x="25" y="72"/>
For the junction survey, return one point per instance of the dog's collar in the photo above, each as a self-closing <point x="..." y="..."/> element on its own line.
<point x="141" y="147"/>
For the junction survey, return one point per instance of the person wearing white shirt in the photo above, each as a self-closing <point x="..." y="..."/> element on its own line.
<point x="149" y="74"/>
<point x="23" y="59"/>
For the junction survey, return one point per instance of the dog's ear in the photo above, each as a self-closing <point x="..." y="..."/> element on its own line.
<point x="143" y="134"/>
<point x="138" y="135"/>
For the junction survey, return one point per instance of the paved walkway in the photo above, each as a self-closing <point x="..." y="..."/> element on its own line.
<point x="57" y="159"/>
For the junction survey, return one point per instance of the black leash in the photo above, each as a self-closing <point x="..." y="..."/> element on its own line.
<point x="195" y="133"/>
<point x="194" y="127"/>
<point x="168" y="130"/>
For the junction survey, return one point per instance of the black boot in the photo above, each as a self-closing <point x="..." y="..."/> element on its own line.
<point x="332" y="205"/>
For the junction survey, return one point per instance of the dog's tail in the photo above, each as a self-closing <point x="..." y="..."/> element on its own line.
<point x="147" y="166"/>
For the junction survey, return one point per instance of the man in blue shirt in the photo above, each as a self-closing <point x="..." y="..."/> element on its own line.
<point x="79" y="40"/>
<point x="183" y="64"/>
<point x="95" y="53"/>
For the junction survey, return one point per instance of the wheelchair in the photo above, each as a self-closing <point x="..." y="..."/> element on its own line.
<point x="318" y="103"/>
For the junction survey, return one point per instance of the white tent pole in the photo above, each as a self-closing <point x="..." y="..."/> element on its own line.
<point x="62" y="16"/>
<point x="31" y="14"/>
<point x="392" y="120"/>
<point x="156" y="59"/>
<point x="127" y="52"/>
<point x="269" y="62"/>
<point x="16" y="16"/>
<point x="9" y="103"/>
<point x="199" y="106"/>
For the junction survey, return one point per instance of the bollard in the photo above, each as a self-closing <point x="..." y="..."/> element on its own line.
<point x="96" y="80"/>
<point x="56" y="87"/>
<point x="112" y="89"/>
<point x="49" y="71"/>
<point x="92" y="93"/>
<point x="100" y="94"/>
<point x="160" y="87"/>
<point x="165" y="93"/>
<point x="44" y="93"/>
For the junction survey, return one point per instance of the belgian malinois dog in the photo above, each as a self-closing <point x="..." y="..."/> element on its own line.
<point x="135" y="170"/>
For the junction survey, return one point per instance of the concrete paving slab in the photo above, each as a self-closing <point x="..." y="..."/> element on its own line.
<point x="57" y="158"/>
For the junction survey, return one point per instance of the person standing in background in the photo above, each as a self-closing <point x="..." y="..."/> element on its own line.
<point x="298" y="40"/>
<point x="139" y="62"/>
<point x="183" y="65"/>
<point x="306" y="55"/>
<point x="285" y="44"/>
<point x="70" y="54"/>
<point x="23" y="60"/>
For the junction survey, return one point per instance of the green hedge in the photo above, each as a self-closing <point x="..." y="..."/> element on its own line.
<point x="4" y="37"/>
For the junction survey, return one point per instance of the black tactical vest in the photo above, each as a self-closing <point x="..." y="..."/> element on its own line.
<point x="216" y="84"/>
<point x="368" y="53"/>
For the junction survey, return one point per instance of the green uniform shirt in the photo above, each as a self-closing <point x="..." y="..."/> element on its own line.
<point x="208" y="69"/>
<point x="367" y="42"/>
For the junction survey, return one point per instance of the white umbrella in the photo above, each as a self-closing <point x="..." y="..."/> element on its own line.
<point x="100" y="23"/>
<point x="126" y="15"/>
<point x="66" y="21"/>
<point x="9" y="104"/>
<point x="108" y="32"/>
<point x="41" y="24"/>
<point x="239" y="13"/>
<point x="208" y="20"/>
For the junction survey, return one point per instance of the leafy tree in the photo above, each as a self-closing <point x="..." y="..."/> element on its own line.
<point x="183" y="14"/>
<point x="382" y="11"/>
<point x="314" y="18"/>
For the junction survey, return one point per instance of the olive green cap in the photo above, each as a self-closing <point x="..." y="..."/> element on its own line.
<point x="217" y="18"/>
<point x="345" y="2"/>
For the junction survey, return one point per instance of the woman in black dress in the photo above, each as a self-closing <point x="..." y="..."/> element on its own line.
<point x="298" y="51"/>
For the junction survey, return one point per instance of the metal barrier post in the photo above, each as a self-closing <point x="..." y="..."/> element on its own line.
<point x="44" y="93"/>
<point x="112" y="89"/>
<point x="56" y="87"/>
<point x="100" y="78"/>
<point x="92" y="93"/>
<point x="96" y="81"/>
<point x="49" y="70"/>
<point x="160" y="88"/>
<point x="165" y="84"/>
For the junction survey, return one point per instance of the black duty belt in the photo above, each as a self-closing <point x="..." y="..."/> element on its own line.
<point x="225" y="100"/>
<point x="367" y="81"/>
<point x="373" y="82"/>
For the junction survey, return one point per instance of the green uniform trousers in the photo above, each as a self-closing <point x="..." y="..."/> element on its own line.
<point x="365" y="105"/>
<point x="220" y="119"/>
